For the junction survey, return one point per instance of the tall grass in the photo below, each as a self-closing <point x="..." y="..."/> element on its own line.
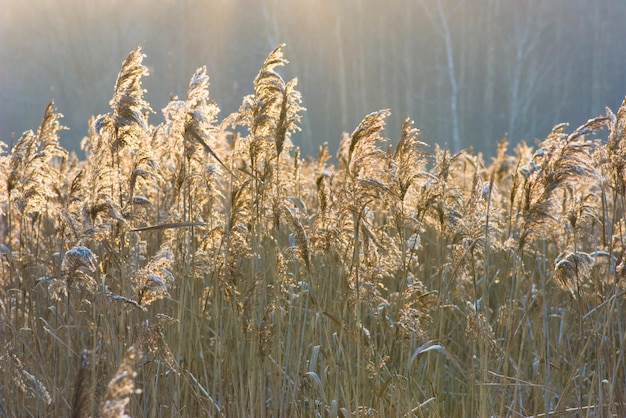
<point x="201" y="267"/>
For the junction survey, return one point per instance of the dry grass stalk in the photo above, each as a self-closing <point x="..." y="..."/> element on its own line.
<point x="563" y="161"/>
<point x="83" y="392"/>
<point x="154" y="279"/>
<point x="573" y="271"/>
<point x="79" y="268"/>
<point x="121" y="387"/>
<point x="28" y="383"/>
<point x="305" y="288"/>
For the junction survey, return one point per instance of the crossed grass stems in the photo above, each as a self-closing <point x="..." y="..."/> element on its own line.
<point x="208" y="270"/>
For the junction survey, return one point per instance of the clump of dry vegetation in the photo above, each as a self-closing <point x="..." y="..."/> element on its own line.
<point x="201" y="267"/>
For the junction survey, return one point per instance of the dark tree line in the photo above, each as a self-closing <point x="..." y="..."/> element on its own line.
<point x="468" y="72"/>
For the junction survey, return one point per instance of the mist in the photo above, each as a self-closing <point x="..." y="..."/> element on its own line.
<point x="468" y="72"/>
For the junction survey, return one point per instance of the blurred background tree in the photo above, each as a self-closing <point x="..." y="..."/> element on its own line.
<point x="468" y="72"/>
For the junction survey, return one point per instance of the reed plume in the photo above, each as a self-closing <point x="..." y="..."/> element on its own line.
<point x="121" y="387"/>
<point x="390" y="281"/>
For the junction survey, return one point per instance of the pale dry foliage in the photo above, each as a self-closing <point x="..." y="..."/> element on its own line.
<point x="208" y="270"/>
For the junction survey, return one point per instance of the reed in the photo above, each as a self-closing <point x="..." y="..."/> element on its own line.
<point x="202" y="267"/>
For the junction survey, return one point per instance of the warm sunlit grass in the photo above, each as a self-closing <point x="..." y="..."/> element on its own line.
<point x="202" y="267"/>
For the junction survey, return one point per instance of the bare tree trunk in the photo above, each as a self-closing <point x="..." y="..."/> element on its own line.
<point x="407" y="57"/>
<point x="440" y="23"/>
<point x="361" y="57"/>
<point x="490" y="70"/>
<point x="341" y="63"/>
<point x="454" y="87"/>
<point x="528" y="68"/>
<point x="598" y="60"/>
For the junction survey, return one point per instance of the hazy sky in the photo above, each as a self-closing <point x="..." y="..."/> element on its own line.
<point x="508" y="66"/>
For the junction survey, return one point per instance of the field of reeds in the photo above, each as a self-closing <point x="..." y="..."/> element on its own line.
<point x="203" y="267"/>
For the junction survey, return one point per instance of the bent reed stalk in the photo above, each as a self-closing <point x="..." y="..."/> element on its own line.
<point x="201" y="267"/>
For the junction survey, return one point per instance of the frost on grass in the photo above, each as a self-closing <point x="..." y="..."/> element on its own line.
<point x="79" y="267"/>
<point x="28" y="383"/>
<point x="154" y="278"/>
